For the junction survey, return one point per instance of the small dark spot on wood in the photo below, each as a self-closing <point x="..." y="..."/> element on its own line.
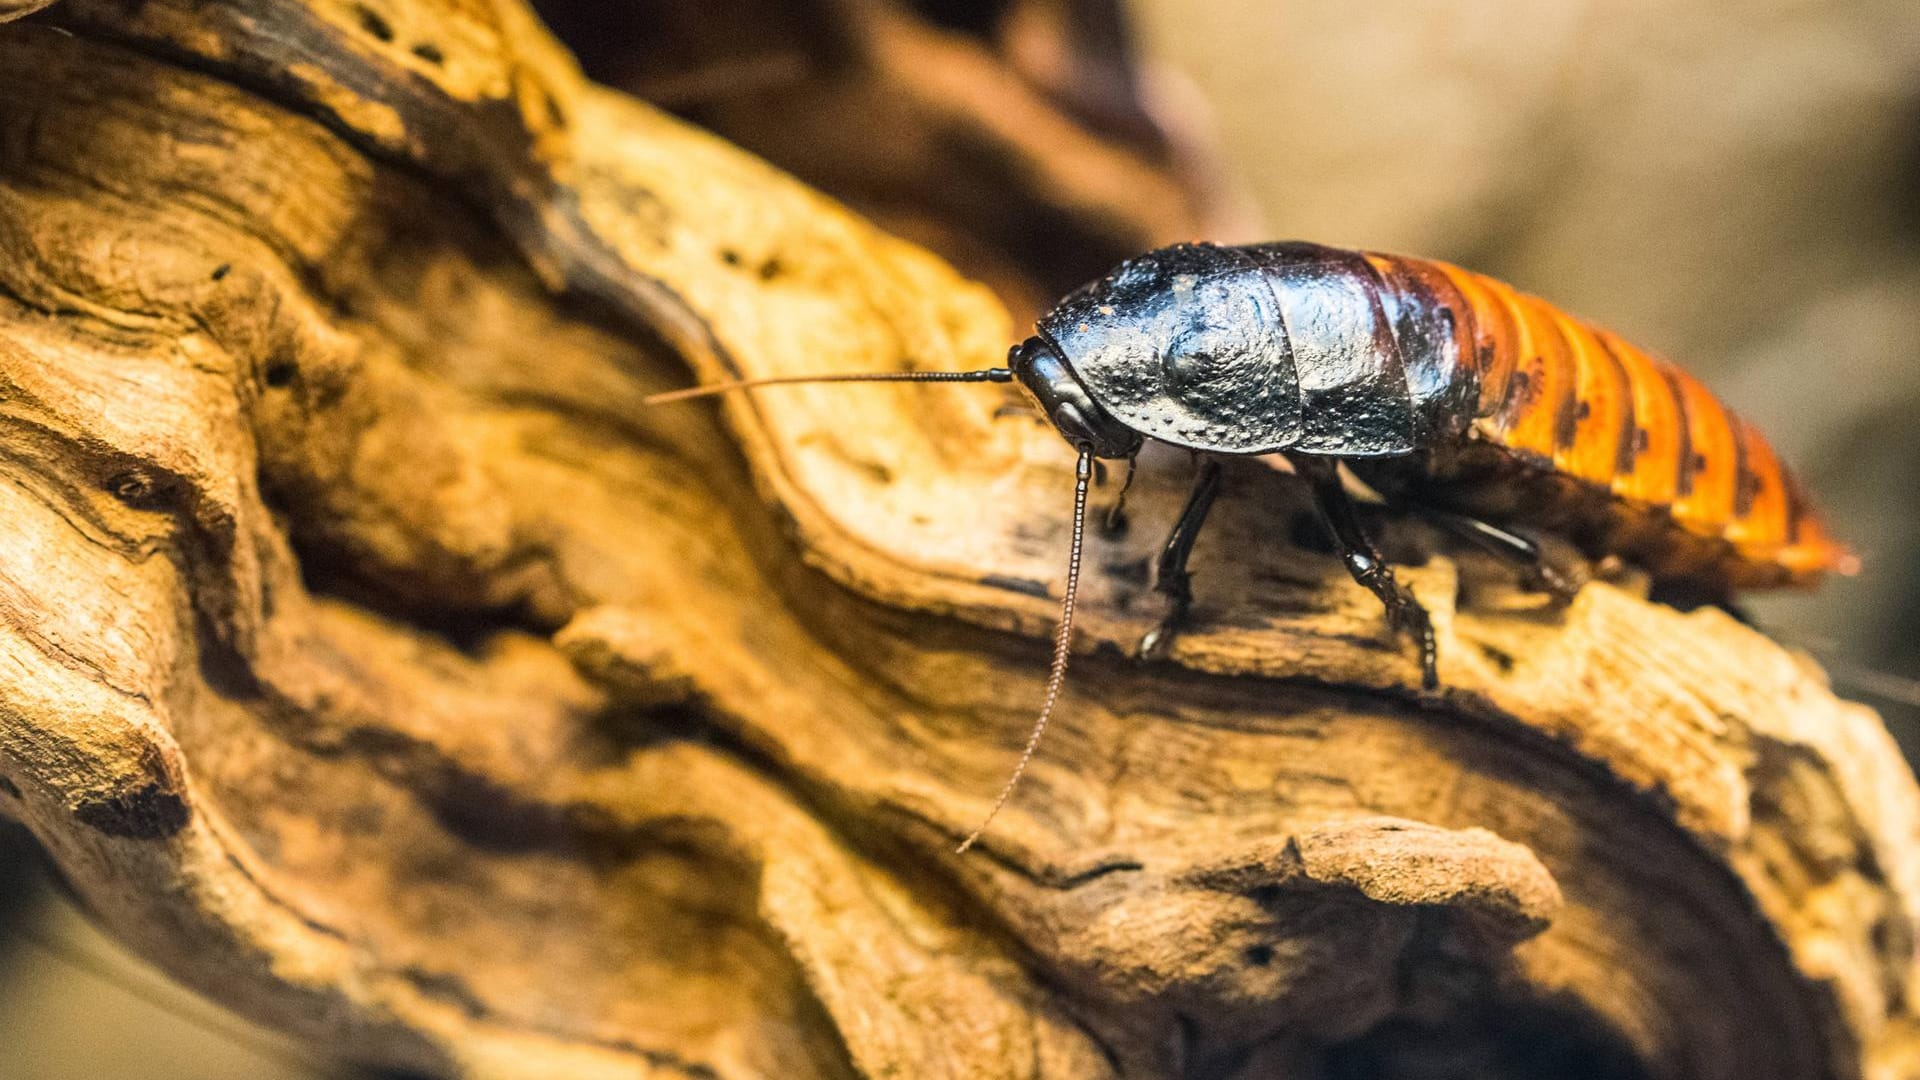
<point x="220" y="272"/>
<point x="1025" y="586"/>
<point x="448" y="988"/>
<point x="555" y="114"/>
<point x="430" y="52"/>
<point x="374" y="23"/>
<point x="1499" y="658"/>
<point x="730" y="257"/>
<point x="1699" y="463"/>
<point x="1259" y="955"/>
<point x="153" y="811"/>
<point x="280" y="373"/>
<point x="771" y="269"/>
<point x="1886" y="938"/>
<point x="1585" y="410"/>
<point x="133" y="487"/>
<point x="364" y="819"/>
<point x="269" y="600"/>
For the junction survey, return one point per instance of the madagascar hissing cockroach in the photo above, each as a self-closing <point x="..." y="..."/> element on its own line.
<point x="1448" y="392"/>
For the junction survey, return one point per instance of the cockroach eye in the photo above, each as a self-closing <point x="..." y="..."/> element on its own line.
<point x="1072" y="425"/>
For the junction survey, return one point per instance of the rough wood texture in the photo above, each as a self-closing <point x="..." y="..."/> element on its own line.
<point x="375" y="663"/>
<point x="1010" y="136"/>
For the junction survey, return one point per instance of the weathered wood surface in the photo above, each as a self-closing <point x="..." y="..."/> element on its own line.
<point x="376" y="664"/>
<point x="1019" y="139"/>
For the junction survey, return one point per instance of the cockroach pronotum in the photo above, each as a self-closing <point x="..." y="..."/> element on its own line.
<point x="1446" y="391"/>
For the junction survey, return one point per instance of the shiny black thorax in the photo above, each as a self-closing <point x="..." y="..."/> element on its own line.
<point x="1250" y="350"/>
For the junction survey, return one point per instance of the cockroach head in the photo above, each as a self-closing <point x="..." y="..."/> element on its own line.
<point x="1064" y="400"/>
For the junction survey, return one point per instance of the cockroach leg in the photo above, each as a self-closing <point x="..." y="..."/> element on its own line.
<point x="1171" y="579"/>
<point x="1404" y="612"/>
<point x="1537" y="572"/>
<point x="1114" y="522"/>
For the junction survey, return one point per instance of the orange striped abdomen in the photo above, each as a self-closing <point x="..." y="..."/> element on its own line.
<point x="1639" y="449"/>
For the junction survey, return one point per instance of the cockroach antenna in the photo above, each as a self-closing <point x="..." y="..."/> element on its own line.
<point x="984" y="375"/>
<point x="1062" y="646"/>
<point x="1082" y="477"/>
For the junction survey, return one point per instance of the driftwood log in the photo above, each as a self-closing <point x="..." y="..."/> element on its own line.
<point x="374" y="662"/>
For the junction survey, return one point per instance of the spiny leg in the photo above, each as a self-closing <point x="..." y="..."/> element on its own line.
<point x="1114" y="522"/>
<point x="1537" y="574"/>
<point x="1363" y="560"/>
<point x="1171" y="579"/>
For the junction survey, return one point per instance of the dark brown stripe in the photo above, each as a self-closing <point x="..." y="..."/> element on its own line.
<point x="1627" y="451"/>
<point x="1383" y="322"/>
<point x="1683" y="476"/>
<point x="1522" y="388"/>
<point x="1566" y="411"/>
<point x="1459" y="315"/>
<point x="1744" y="481"/>
<point x="1491" y="332"/>
<point x="1796" y="505"/>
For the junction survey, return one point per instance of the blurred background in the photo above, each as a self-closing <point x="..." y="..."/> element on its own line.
<point x="1735" y="186"/>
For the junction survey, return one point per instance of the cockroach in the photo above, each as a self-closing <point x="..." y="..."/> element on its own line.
<point x="1446" y="391"/>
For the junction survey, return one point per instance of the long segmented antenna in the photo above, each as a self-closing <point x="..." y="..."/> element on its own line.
<point x="1062" y="638"/>
<point x="985" y="375"/>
